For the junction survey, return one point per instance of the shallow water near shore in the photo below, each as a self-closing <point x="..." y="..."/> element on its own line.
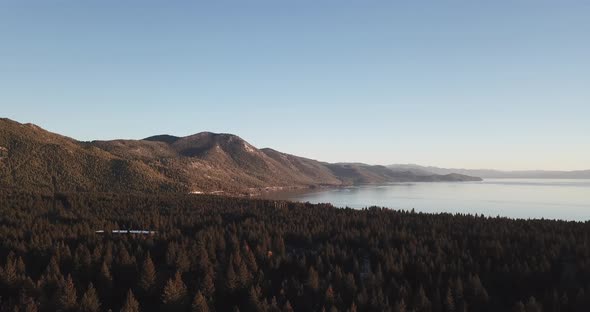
<point x="565" y="199"/>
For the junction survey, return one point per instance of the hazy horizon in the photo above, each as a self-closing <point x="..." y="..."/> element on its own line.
<point x="499" y="85"/>
<point x="261" y="147"/>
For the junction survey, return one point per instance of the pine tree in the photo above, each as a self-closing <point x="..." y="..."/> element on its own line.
<point x="421" y="301"/>
<point x="278" y="245"/>
<point x="174" y="295"/>
<point x="287" y="307"/>
<point x="182" y="261"/>
<point x="147" y="277"/>
<point x="21" y="268"/>
<point x="400" y="306"/>
<point x="171" y="254"/>
<point x="231" y="280"/>
<point x="105" y="284"/>
<point x="105" y="278"/>
<point x="207" y="285"/>
<point x="274" y="306"/>
<point x="477" y="292"/>
<point x="27" y="304"/>
<point x="203" y="262"/>
<point x="249" y="258"/>
<point x="329" y="296"/>
<point x="199" y="303"/>
<point x="449" y="302"/>
<point x="90" y="302"/>
<point x="67" y="297"/>
<point x="131" y="304"/>
<point x="124" y="259"/>
<point x="244" y="276"/>
<point x="313" y="280"/>
<point x="350" y="284"/>
<point x="9" y="273"/>
<point x="254" y="299"/>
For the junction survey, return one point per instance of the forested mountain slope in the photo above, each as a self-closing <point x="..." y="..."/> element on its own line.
<point x="34" y="159"/>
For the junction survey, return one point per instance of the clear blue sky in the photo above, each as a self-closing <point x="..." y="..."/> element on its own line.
<point x="494" y="84"/>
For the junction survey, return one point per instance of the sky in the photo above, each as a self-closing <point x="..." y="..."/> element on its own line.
<point x="463" y="84"/>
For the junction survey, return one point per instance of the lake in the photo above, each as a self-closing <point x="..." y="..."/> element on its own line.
<point x="566" y="199"/>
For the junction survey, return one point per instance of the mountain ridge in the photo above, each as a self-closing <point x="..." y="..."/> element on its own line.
<point x="493" y="173"/>
<point x="35" y="159"/>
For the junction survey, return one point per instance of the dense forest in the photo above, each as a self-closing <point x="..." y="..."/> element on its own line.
<point x="58" y="252"/>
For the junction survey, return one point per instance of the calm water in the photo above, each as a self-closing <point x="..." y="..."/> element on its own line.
<point x="515" y="198"/>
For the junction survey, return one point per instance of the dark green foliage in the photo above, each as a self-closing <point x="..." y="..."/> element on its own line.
<point x="236" y="254"/>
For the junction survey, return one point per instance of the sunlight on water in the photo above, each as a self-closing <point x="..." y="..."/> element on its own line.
<point x="516" y="198"/>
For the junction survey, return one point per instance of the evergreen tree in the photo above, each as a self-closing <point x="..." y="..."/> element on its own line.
<point x="287" y="307"/>
<point x="206" y="285"/>
<point x="199" y="303"/>
<point x="131" y="304"/>
<point x="421" y="301"/>
<point x="105" y="278"/>
<point x="243" y="275"/>
<point x="90" y="301"/>
<point x="400" y="306"/>
<point x="449" y="301"/>
<point x="174" y="295"/>
<point x="182" y="262"/>
<point x="250" y="259"/>
<point x="231" y="279"/>
<point x="254" y="299"/>
<point x="67" y="297"/>
<point x="313" y="280"/>
<point x="21" y="268"/>
<point x="329" y="296"/>
<point x="147" y="277"/>
<point x="9" y="273"/>
<point x="274" y="306"/>
<point x="26" y="304"/>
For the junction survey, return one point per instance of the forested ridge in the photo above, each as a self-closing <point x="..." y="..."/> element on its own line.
<point x="34" y="159"/>
<point x="213" y="253"/>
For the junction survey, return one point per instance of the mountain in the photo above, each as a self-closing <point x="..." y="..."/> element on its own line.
<point x="36" y="159"/>
<point x="491" y="174"/>
<point x="32" y="158"/>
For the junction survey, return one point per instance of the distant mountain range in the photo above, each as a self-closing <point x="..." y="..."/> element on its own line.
<point x="35" y="159"/>
<point x="491" y="174"/>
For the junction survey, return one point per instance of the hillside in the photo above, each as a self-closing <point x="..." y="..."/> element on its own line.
<point x="34" y="159"/>
<point x="490" y="173"/>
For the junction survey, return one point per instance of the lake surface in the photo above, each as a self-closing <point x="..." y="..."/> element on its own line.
<point x="515" y="198"/>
